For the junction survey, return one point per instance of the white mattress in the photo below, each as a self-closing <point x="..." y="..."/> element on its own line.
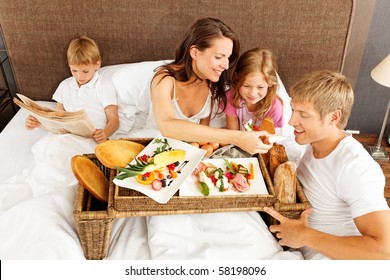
<point x="36" y="206"/>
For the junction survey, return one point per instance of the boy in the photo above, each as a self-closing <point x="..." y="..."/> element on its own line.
<point x="349" y="218"/>
<point x="86" y="90"/>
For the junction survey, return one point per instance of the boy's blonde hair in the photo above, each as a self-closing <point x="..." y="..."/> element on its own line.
<point x="83" y="51"/>
<point x="328" y="91"/>
<point x="256" y="61"/>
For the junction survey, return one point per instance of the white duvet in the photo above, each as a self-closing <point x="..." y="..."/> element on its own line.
<point x="37" y="192"/>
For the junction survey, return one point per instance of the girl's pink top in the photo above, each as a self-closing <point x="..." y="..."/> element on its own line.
<point x="275" y="112"/>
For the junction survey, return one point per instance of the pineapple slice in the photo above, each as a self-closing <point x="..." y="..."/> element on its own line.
<point x="168" y="157"/>
<point x="158" y="161"/>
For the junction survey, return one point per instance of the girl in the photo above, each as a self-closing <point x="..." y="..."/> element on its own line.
<point x="253" y="94"/>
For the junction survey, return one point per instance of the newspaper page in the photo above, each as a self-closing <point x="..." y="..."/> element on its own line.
<point x="57" y="121"/>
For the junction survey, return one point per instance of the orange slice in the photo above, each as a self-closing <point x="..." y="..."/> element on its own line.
<point x="159" y="175"/>
<point x="146" y="180"/>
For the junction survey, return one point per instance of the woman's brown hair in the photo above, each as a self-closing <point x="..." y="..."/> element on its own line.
<point x="201" y="35"/>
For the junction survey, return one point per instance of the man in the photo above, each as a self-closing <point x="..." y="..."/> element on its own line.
<point x="349" y="218"/>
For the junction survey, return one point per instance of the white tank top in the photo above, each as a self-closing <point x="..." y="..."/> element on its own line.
<point x="203" y="113"/>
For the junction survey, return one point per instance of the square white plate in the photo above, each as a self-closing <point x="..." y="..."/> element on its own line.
<point x="193" y="156"/>
<point x="257" y="184"/>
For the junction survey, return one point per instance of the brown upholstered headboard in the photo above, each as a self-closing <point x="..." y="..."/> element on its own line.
<point x="305" y="34"/>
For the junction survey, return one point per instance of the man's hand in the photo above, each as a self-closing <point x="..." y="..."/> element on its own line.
<point x="290" y="232"/>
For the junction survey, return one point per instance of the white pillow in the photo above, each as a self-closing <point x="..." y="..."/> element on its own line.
<point x="293" y="149"/>
<point x="287" y="129"/>
<point x="132" y="83"/>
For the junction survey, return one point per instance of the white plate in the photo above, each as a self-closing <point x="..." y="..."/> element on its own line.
<point x="257" y="185"/>
<point x="193" y="156"/>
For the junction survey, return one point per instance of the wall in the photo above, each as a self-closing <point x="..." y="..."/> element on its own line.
<point x="371" y="98"/>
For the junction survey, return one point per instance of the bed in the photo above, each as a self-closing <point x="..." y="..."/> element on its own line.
<point x="37" y="188"/>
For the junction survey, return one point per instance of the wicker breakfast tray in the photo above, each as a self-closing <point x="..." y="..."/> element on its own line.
<point x="93" y="219"/>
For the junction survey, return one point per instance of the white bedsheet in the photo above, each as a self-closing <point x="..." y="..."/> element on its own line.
<point x="37" y="192"/>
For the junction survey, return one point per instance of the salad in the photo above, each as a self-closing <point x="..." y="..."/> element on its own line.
<point x="232" y="176"/>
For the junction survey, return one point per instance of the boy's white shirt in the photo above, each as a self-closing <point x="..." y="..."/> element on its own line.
<point x="93" y="97"/>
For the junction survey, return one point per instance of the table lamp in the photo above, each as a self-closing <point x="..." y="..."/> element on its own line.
<point x="381" y="75"/>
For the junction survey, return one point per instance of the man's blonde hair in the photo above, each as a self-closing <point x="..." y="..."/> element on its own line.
<point x="328" y="91"/>
<point x="83" y="51"/>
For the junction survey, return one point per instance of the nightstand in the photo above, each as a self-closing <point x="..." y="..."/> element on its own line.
<point x="5" y="93"/>
<point x="7" y="107"/>
<point x="370" y="140"/>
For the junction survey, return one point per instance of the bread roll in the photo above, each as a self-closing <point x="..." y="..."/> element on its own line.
<point x="285" y="182"/>
<point x="113" y="153"/>
<point x="277" y="156"/>
<point x="90" y="177"/>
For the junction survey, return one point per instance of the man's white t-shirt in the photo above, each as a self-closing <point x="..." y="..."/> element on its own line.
<point x="346" y="184"/>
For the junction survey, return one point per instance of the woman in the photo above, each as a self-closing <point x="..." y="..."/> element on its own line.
<point x="184" y="91"/>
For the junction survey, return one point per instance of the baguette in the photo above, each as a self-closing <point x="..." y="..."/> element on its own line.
<point x="117" y="153"/>
<point x="285" y="182"/>
<point x="90" y="177"/>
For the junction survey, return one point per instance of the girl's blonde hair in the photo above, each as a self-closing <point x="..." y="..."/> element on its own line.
<point x="83" y="51"/>
<point x="328" y="91"/>
<point x="256" y="61"/>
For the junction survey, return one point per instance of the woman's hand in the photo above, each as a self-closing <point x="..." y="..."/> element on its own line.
<point x="250" y="142"/>
<point x="31" y="122"/>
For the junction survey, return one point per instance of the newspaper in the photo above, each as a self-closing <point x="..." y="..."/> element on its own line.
<point x="58" y="121"/>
